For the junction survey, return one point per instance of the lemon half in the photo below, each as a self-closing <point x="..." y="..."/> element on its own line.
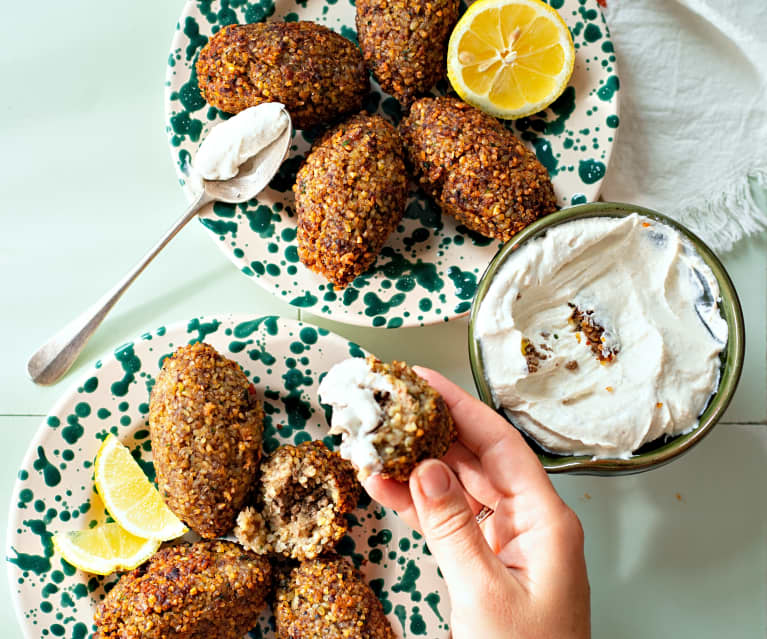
<point x="131" y="499"/>
<point x="510" y="58"/>
<point x="104" y="549"/>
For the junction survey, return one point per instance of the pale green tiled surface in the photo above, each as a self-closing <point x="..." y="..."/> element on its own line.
<point x="680" y="551"/>
<point x="658" y="566"/>
<point x="747" y="265"/>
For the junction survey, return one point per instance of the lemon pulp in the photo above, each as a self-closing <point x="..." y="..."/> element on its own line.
<point x="130" y="497"/>
<point x="510" y="58"/>
<point x="104" y="549"/>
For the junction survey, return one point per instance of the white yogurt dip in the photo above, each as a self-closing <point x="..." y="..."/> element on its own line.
<point x="349" y="388"/>
<point x="236" y="140"/>
<point x="649" y="303"/>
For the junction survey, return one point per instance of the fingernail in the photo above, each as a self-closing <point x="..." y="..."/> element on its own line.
<point x="433" y="479"/>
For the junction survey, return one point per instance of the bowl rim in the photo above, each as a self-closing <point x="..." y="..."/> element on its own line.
<point x="732" y="364"/>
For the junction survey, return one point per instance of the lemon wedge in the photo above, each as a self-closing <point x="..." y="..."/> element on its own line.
<point x="131" y="499"/>
<point x="510" y="58"/>
<point x="104" y="549"/>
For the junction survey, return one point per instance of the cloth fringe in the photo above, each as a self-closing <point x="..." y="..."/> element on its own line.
<point x="724" y="218"/>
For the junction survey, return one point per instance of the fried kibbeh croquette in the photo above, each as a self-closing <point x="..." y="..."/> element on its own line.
<point x="206" y="426"/>
<point x="328" y="597"/>
<point x="317" y="74"/>
<point x="404" y="43"/>
<point x="189" y="591"/>
<point x="389" y="418"/>
<point x="350" y="195"/>
<point x="303" y="493"/>
<point x="474" y="168"/>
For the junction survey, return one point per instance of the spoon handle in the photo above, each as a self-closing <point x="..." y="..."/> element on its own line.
<point x="55" y="357"/>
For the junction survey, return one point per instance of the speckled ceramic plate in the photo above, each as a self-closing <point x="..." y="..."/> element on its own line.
<point x="429" y="268"/>
<point x="54" y="491"/>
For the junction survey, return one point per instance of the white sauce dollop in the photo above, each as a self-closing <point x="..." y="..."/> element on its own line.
<point x="656" y="300"/>
<point x="236" y="140"/>
<point x="349" y="388"/>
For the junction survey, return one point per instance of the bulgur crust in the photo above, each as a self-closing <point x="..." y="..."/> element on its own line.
<point x="317" y="74"/>
<point x="404" y="43"/>
<point x="190" y="591"/>
<point x="328" y="598"/>
<point x="350" y="195"/>
<point x="206" y="426"/>
<point x="475" y="169"/>
<point x="304" y="492"/>
<point x="416" y="423"/>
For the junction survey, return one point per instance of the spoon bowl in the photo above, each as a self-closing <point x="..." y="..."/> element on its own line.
<point x="254" y="174"/>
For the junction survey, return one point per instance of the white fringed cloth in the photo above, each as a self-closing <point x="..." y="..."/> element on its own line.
<point x="692" y="140"/>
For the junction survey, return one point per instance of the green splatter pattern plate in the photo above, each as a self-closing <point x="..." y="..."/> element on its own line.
<point x="429" y="268"/>
<point x="54" y="491"/>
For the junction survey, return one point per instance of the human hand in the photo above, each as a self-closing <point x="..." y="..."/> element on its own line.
<point x="521" y="573"/>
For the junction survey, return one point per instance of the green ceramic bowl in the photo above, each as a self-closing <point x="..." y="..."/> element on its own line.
<point x="663" y="450"/>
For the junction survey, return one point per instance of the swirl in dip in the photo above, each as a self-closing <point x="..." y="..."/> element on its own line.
<point x="602" y="335"/>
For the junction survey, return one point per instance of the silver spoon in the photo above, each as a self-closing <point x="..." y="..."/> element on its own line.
<point x="56" y="356"/>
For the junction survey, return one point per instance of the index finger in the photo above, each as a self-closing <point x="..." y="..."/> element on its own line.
<point x="496" y="443"/>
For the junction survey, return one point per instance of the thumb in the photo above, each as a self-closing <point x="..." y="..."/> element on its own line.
<point x="449" y="526"/>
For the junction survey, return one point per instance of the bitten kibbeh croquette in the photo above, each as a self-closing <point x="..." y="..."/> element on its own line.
<point x="328" y="598"/>
<point x="389" y="418"/>
<point x="303" y="493"/>
<point x="404" y="43"/>
<point x="206" y="426"/>
<point x="317" y="74"/>
<point x="190" y="591"/>
<point x="350" y="195"/>
<point x="474" y="168"/>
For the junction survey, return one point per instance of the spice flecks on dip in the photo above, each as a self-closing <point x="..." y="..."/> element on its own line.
<point x="602" y="335"/>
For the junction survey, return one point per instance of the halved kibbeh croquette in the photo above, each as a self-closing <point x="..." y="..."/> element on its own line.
<point x="302" y="496"/>
<point x="206" y="426"/>
<point x="389" y="418"/>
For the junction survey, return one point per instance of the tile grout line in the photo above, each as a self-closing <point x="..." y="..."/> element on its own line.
<point x="742" y="423"/>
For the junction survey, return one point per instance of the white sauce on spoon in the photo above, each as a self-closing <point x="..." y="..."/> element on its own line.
<point x="655" y="299"/>
<point x="232" y="142"/>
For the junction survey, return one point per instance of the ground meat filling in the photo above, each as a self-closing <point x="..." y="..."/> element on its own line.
<point x="300" y="510"/>
<point x="383" y="399"/>
<point x="305" y="491"/>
